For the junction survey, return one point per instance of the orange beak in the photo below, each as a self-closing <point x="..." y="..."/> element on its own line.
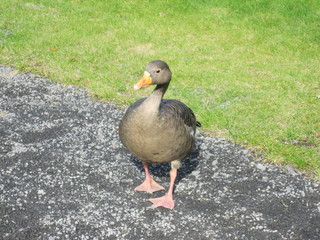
<point x="144" y="81"/>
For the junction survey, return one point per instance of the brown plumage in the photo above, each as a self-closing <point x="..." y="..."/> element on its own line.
<point x="158" y="130"/>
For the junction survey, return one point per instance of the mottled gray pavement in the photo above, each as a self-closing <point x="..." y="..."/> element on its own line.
<point x="65" y="175"/>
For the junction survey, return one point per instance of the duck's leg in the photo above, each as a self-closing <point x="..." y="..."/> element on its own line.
<point x="167" y="200"/>
<point x="149" y="185"/>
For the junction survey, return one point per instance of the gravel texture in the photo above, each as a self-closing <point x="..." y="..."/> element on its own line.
<point x="65" y="175"/>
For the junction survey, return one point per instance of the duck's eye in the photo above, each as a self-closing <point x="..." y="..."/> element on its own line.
<point x="158" y="71"/>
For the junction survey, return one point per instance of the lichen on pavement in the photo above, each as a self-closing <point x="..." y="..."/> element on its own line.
<point x="65" y="175"/>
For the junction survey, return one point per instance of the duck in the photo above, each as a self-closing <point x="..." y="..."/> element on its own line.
<point x="157" y="130"/>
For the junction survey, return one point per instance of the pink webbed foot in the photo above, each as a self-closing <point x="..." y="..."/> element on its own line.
<point x="166" y="201"/>
<point x="149" y="186"/>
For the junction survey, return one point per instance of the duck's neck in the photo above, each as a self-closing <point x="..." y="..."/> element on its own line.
<point x="152" y="103"/>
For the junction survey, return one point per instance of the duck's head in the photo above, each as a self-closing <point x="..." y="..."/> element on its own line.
<point x="157" y="72"/>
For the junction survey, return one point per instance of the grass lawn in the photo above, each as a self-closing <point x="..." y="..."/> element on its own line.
<point x="250" y="70"/>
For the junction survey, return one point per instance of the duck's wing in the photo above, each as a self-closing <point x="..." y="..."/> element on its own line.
<point x="171" y="109"/>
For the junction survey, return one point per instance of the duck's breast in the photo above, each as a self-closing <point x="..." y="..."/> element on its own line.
<point x="165" y="137"/>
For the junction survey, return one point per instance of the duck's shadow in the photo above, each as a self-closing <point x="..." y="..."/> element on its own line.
<point x="188" y="165"/>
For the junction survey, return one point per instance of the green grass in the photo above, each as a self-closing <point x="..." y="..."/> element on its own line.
<point x="249" y="69"/>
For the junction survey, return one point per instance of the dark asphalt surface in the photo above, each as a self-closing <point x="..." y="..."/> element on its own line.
<point x="65" y="175"/>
